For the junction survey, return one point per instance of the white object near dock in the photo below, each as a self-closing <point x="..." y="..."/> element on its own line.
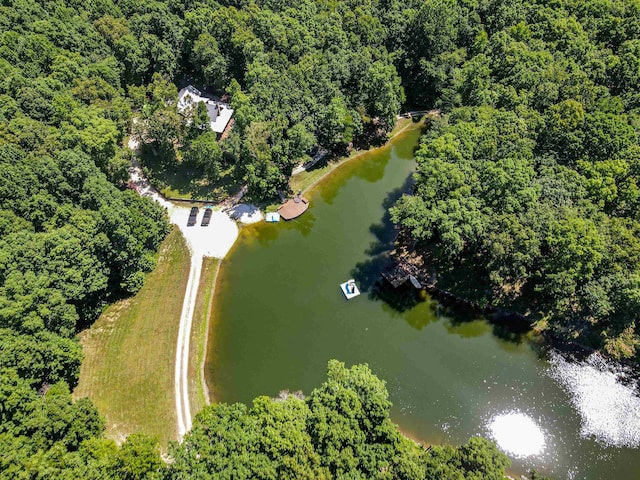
<point x="273" y="217"/>
<point x="350" y="289"/>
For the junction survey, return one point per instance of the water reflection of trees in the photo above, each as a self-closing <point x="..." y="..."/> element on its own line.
<point x="462" y="320"/>
<point x="304" y="224"/>
<point x="367" y="273"/>
<point x="468" y="324"/>
<point x="267" y="233"/>
<point x="369" y="166"/>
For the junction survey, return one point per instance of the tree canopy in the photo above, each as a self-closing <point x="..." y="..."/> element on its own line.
<point x="299" y="74"/>
<point x="341" y="430"/>
<point x="72" y="237"/>
<point x="529" y="182"/>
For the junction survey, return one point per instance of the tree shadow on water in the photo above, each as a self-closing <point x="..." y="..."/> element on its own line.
<point x="469" y="322"/>
<point x="509" y="327"/>
<point x="368" y="274"/>
<point x="400" y="301"/>
<point x="303" y="224"/>
<point x="385" y="231"/>
<point x="465" y="318"/>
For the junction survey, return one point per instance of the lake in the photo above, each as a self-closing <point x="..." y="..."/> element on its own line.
<point x="280" y="316"/>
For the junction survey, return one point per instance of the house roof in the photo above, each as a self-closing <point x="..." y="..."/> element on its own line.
<point x="219" y="113"/>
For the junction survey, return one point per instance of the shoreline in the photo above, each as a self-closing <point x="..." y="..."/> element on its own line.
<point x="512" y="320"/>
<point x="203" y="344"/>
<point x="197" y="354"/>
<point x="335" y="164"/>
<point x="332" y="167"/>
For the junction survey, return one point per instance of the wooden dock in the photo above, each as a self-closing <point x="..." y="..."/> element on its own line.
<point x="398" y="272"/>
<point x="395" y="274"/>
<point x="294" y="207"/>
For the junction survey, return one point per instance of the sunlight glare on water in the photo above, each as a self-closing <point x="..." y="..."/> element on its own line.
<point x="609" y="409"/>
<point x="517" y="434"/>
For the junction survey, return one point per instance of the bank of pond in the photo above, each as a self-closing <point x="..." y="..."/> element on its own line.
<point x="279" y="317"/>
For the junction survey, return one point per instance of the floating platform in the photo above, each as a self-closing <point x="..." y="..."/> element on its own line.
<point x="272" y="217"/>
<point x="294" y="207"/>
<point x="350" y="289"/>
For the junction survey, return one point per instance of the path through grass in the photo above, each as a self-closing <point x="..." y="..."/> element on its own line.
<point x="128" y="371"/>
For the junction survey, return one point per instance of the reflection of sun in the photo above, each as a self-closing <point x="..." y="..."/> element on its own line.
<point x="517" y="434"/>
<point x="609" y="408"/>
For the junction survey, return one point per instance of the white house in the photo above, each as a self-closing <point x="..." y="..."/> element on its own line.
<point x="219" y="113"/>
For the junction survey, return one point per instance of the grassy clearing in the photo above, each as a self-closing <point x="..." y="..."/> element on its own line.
<point x="176" y="179"/>
<point x="307" y="179"/>
<point x="128" y="370"/>
<point x="198" y="394"/>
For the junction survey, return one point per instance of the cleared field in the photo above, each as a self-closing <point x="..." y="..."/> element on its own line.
<point x="128" y="370"/>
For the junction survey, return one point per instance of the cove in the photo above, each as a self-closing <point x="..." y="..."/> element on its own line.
<point x="279" y="316"/>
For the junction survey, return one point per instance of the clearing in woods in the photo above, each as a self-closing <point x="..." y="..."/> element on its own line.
<point x="130" y="351"/>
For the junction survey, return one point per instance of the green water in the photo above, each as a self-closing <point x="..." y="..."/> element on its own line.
<point x="280" y="315"/>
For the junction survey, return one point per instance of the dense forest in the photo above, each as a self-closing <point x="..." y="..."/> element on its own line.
<point x="299" y="75"/>
<point x="341" y="430"/>
<point x="71" y="238"/>
<point x="74" y="238"/>
<point x="529" y="182"/>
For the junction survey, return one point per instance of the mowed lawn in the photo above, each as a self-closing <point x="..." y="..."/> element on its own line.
<point x="128" y="370"/>
<point x="198" y="394"/>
